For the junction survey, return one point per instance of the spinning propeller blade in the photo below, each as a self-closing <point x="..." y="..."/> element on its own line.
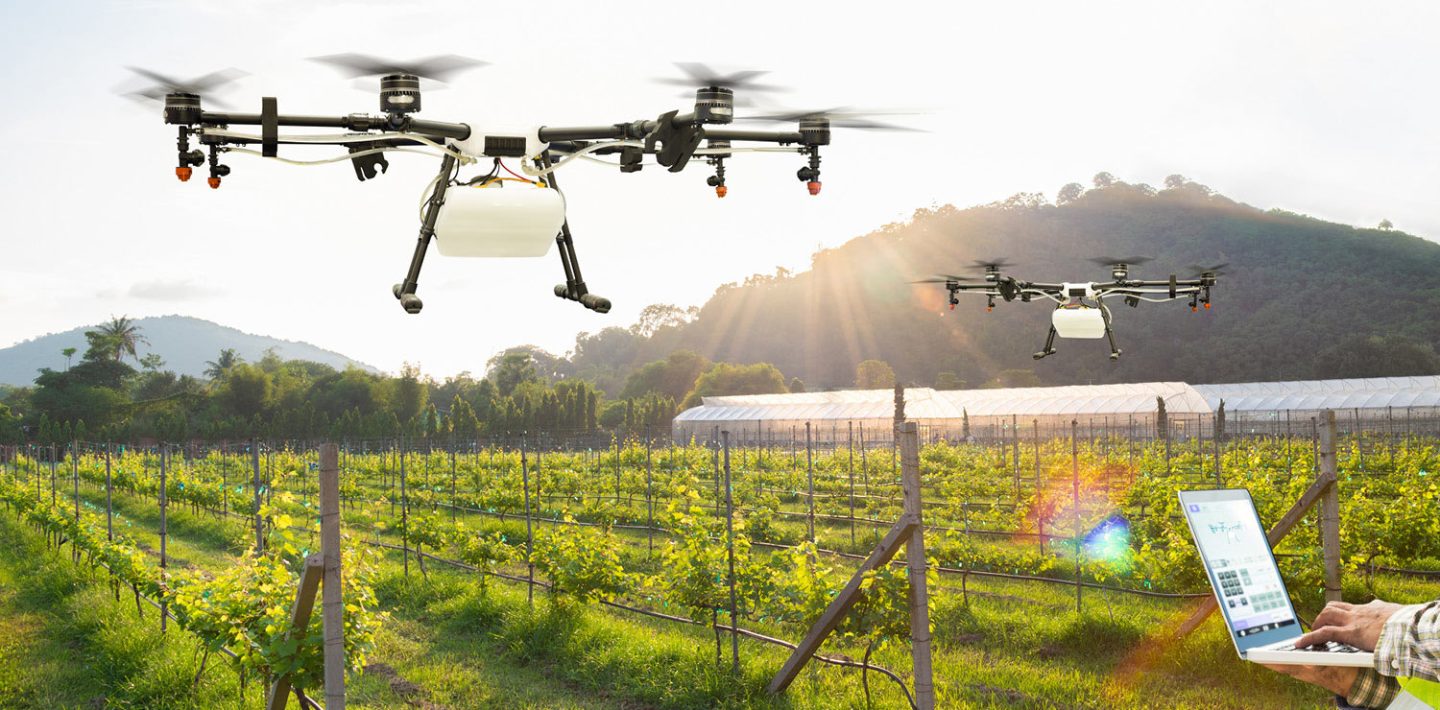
<point x="1216" y="269"/>
<point x="841" y="117"/>
<point x="993" y="264"/>
<point x="1126" y="260"/>
<point x="437" y="68"/>
<point x="701" y="76"/>
<point x="202" y="86"/>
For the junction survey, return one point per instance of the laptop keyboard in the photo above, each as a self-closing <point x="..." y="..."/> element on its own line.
<point x="1330" y="647"/>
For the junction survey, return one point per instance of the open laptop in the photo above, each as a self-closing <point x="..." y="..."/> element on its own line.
<point x="1247" y="583"/>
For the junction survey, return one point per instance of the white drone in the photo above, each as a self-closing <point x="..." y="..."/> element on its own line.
<point x="1080" y="310"/>
<point x="495" y="214"/>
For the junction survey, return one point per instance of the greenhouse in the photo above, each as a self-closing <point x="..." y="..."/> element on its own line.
<point x="1252" y="407"/>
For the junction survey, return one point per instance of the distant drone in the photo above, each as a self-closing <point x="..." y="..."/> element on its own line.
<point x="509" y="215"/>
<point x="1080" y="310"/>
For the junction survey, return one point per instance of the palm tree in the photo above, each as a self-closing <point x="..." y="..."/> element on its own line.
<point x="68" y="353"/>
<point x="219" y="366"/>
<point x="123" y="335"/>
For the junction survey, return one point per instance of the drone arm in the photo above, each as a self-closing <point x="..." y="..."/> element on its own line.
<point x="353" y="122"/>
<point x="638" y="130"/>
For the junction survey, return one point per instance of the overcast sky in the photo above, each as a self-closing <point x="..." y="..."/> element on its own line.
<point x="1321" y="108"/>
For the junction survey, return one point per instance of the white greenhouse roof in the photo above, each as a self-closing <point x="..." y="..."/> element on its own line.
<point x="922" y="403"/>
<point x="1371" y="393"/>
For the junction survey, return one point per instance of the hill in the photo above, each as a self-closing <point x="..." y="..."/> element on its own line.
<point x="184" y="343"/>
<point x="1302" y="298"/>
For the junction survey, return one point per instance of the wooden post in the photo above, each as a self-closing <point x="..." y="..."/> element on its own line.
<point x="1075" y="505"/>
<point x="299" y="619"/>
<point x="730" y="557"/>
<point x="850" y="444"/>
<point x="75" y="475"/>
<point x="404" y="512"/>
<point x="649" y="501"/>
<point x="332" y="605"/>
<point x="164" y="605"/>
<point x="259" y="519"/>
<point x="1330" y="508"/>
<point x="810" y="482"/>
<point x="916" y="563"/>
<point x="109" y="508"/>
<point x="529" y="531"/>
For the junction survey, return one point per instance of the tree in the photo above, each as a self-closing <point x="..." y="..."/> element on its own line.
<point x="463" y="424"/>
<point x="726" y="378"/>
<point x="215" y="369"/>
<point x="1069" y="193"/>
<point x="152" y="362"/>
<point x="660" y="315"/>
<point x="512" y="368"/>
<point x="874" y="375"/>
<point x="797" y="385"/>
<point x="1103" y="180"/>
<point x="246" y="391"/>
<point x="673" y="377"/>
<point x="121" y="335"/>
<point x="1386" y="225"/>
<point x="410" y="393"/>
<point x="1175" y="182"/>
<point x="1377" y="356"/>
<point x="948" y="381"/>
<point x="68" y="353"/>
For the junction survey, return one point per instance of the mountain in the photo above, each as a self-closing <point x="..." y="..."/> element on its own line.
<point x="184" y="343"/>
<point x="1302" y="298"/>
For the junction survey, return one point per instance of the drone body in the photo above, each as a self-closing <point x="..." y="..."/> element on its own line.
<point x="491" y="214"/>
<point x="1080" y="310"/>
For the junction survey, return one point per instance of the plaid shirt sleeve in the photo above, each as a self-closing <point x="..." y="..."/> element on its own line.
<point x="1409" y="646"/>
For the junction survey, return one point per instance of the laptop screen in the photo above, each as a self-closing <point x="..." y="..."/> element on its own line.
<point x="1241" y="567"/>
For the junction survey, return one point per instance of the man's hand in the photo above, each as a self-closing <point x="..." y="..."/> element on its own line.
<point x="1336" y="679"/>
<point x="1356" y="624"/>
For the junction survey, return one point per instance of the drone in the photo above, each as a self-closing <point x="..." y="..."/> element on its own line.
<point x="1080" y="309"/>
<point x="493" y="213"/>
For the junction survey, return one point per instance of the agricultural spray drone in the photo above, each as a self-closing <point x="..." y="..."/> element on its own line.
<point x="511" y="214"/>
<point x="1080" y="310"/>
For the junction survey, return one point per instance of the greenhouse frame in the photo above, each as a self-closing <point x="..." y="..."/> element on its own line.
<point x="1396" y="403"/>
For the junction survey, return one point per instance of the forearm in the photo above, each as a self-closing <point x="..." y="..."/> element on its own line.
<point x="1409" y="644"/>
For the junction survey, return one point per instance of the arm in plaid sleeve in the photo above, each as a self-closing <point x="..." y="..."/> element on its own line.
<point x="1409" y="644"/>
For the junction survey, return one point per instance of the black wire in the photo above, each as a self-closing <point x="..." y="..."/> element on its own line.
<point x="482" y="179"/>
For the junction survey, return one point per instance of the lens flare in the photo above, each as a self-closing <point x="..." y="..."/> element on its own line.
<point x="1110" y="541"/>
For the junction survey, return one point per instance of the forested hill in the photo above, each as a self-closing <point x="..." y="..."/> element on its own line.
<point x="1302" y="298"/>
<point x="185" y="344"/>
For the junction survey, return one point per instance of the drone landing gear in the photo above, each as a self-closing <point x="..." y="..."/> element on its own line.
<point x="405" y="291"/>
<point x="1049" y="345"/>
<point x="574" y="287"/>
<point x="1110" y="335"/>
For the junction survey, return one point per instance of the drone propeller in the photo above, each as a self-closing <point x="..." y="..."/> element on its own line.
<point x="993" y="264"/>
<point x="945" y="279"/>
<point x="840" y="117"/>
<point x="1126" y="260"/>
<point x="164" y="85"/>
<point x="437" y="68"/>
<point x="698" y="74"/>
<point x="1217" y="269"/>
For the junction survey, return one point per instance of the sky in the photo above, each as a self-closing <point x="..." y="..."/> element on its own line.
<point x="1321" y="108"/>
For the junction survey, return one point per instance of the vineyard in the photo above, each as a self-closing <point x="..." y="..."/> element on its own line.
<point x="648" y="574"/>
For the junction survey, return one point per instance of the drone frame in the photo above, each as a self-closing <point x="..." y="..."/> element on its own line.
<point x="673" y="138"/>
<point x="1065" y="295"/>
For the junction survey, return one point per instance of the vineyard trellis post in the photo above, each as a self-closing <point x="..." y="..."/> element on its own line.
<point x="730" y="558"/>
<point x="1075" y="504"/>
<point x="810" y="482"/>
<point x="649" y="500"/>
<point x="529" y="530"/>
<point x="850" y="444"/>
<point x="109" y="509"/>
<point x="908" y="532"/>
<point x="259" y="519"/>
<point x="1322" y="489"/>
<point x="164" y="605"/>
<point x="332" y="605"/>
<point x="404" y="511"/>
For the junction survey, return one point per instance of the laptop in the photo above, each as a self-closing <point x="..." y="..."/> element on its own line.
<point x="1252" y="597"/>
